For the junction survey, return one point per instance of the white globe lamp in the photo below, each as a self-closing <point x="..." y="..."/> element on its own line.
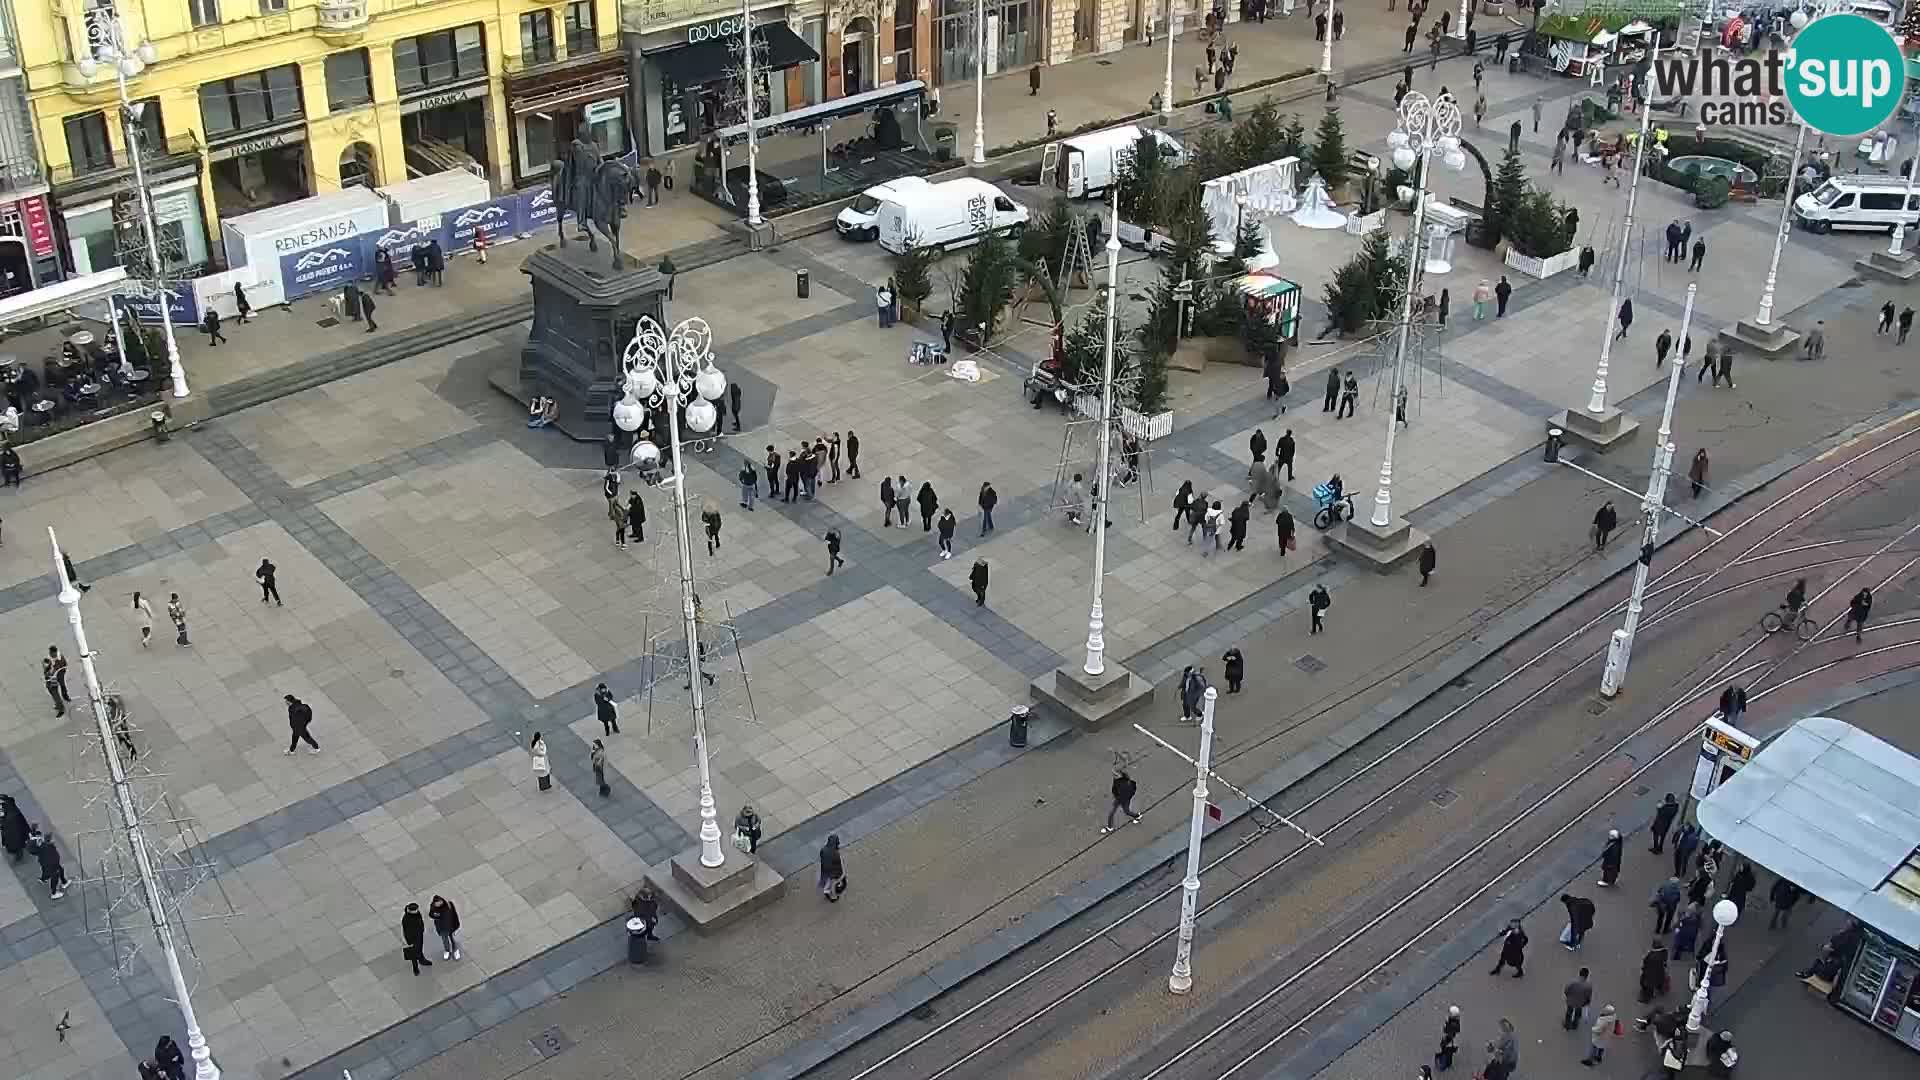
<point x="1725" y="913"/>
<point x="710" y="384"/>
<point x="1403" y="157"/>
<point x="147" y="53"/>
<point x="1798" y="19"/>
<point x="628" y="414"/>
<point x="643" y="383"/>
<point x="646" y="455"/>
<point x="701" y="415"/>
<point x="88" y="66"/>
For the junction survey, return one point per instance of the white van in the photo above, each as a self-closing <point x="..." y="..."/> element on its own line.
<point x="1089" y="164"/>
<point x="950" y="215"/>
<point x="860" y="220"/>
<point x="1857" y="202"/>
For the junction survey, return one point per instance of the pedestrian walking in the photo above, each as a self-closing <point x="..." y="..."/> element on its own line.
<point x="1580" y="911"/>
<point x="606" y="710"/>
<point x="1708" y="361"/>
<point x="1606" y="1027"/>
<point x="1663" y="816"/>
<point x="747" y="830"/>
<point x="10" y="468"/>
<point x="929" y="502"/>
<point x="853" y="452"/>
<point x="1783" y="896"/>
<point x="1123" y="791"/>
<point x="1481" y="294"/>
<point x="1559" y="165"/>
<point x="1699" y="255"/>
<point x="1653" y="969"/>
<point x="618" y="512"/>
<point x="13" y="829"/>
<point x="1741" y="885"/>
<point x="1429" y="560"/>
<point x="269" y="589"/>
<point x="52" y="682"/>
<point x="1686" y="932"/>
<point x="1858" y="609"/>
<point x="1906" y="327"/>
<point x="1513" y="950"/>
<point x="1235" y="669"/>
<point x="597" y="761"/>
<point x="791" y="490"/>
<point x="1724" y="368"/>
<point x="1514" y="131"/>
<point x="413" y="931"/>
<point x="210" y="324"/>
<point x="1626" y="318"/>
<point x="366" y="308"/>
<point x="1349" y="396"/>
<point x="1502" y="293"/>
<point x="833" y="875"/>
<point x="947" y="524"/>
<point x="446" y="923"/>
<point x="988" y="499"/>
<point x="1210" y="529"/>
<point x="1283" y="526"/>
<point x="833" y="551"/>
<point x="645" y="906"/>
<point x="1237" y="526"/>
<point x="1318" y="601"/>
<point x="1196" y="513"/>
<point x="1539" y="103"/>
<point x="1610" y="858"/>
<point x="1604" y="522"/>
<point x="1449" y="1039"/>
<point x="1033" y="81"/>
<point x="1578" y="995"/>
<point x="1193" y="688"/>
<point x="1815" y="345"/>
<point x="1697" y="472"/>
<point x="886" y="502"/>
<point x="772" y="465"/>
<point x="299" y="720"/>
<point x="542" y="767"/>
<point x="177" y="612"/>
<point x="749" y="478"/>
<point x="1661" y="345"/>
<point x="1283" y="450"/>
<point x="167" y="1055"/>
<point x="1257" y="446"/>
<point x="57" y="664"/>
<point x="1506" y="1049"/>
<point x="636" y="518"/>
<point x="1333" y="390"/>
<point x="1665" y="902"/>
<point x="1733" y="703"/>
<point x="1413" y="31"/>
<point x="1400" y="406"/>
<point x="977" y="577"/>
<point x="710" y="522"/>
<point x="1685" y="840"/>
<point x="902" y="499"/>
<point x="653" y="179"/>
<point x="1886" y="318"/>
<point x="52" y="871"/>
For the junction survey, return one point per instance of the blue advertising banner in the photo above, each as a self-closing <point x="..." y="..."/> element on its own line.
<point x="537" y="210"/>
<point x="500" y="217"/>
<point x="398" y="242"/>
<point x="181" y="306"/>
<point x="319" y="269"/>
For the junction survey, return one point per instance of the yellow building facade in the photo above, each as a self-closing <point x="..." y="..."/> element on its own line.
<point x="256" y="103"/>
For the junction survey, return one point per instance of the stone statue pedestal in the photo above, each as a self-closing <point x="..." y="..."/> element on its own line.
<point x="584" y="315"/>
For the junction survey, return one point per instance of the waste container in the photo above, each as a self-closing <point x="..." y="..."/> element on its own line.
<point x="1554" y="438"/>
<point x="802" y="284"/>
<point x="158" y="419"/>
<point x="1017" y="727"/>
<point x="636" y="940"/>
<point x="946" y="138"/>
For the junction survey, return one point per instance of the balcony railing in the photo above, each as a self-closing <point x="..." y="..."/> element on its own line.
<point x="175" y="151"/>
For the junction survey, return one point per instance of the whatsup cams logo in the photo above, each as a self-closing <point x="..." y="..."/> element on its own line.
<point x="1844" y="75"/>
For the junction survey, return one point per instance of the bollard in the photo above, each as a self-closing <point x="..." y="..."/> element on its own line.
<point x="158" y="418"/>
<point x="802" y="284"/>
<point x="636" y="940"/>
<point x="1017" y="727"/>
<point x="1554" y="439"/>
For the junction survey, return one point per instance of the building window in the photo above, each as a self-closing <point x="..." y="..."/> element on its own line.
<point x="442" y="57"/>
<point x="349" y="80"/>
<point x="87" y="145"/>
<point x="204" y="12"/>
<point x="153" y="134"/>
<point x="581" y="36"/>
<point x="536" y="37"/>
<point x="903" y="40"/>
<point x="272" y="7"/>
<point x="251" y="101"/>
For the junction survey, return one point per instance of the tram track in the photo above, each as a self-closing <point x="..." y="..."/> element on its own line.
<point x="942" y="1051"/>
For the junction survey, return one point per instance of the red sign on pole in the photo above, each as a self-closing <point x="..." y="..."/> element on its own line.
<point x="33" y="214"/>
<point x="1213" y="811"/>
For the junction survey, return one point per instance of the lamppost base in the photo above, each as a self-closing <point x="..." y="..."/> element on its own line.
<point x="1179" y="984"/>
<point x="710" y="898"/>
<point x="1093" y="701"/>
<point x="1379" y="547"/>
<point x="1771" y="341"/>
<point x="1599" y="432"/>
<point x="1903" y="267"/>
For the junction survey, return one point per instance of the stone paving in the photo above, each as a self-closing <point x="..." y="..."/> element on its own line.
<point x="451" y="584"/>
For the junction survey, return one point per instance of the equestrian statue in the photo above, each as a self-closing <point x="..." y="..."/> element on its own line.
<point x="595" y="192"/>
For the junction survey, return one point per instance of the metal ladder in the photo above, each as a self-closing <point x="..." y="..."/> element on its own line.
<point x="1078" y="260"/>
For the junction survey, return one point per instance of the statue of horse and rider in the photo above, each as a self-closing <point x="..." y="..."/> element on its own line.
<point x="595" y="192"/>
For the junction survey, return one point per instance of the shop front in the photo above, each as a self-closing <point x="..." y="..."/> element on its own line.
<point x="29" y="256"/>
<point x="692" y="83"/>
<point x="553" y="104"/>
<point x="443" y="83"/>
<point x="100" y="230"/>
<point x="259" y="169"/>
<point x="1016" y="32"/>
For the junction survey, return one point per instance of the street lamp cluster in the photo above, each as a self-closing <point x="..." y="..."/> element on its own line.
<point x="128" y="63"/>
<point x="1764" y="317"/>
<point x="672" y="370"/>
<point x="1425" y="125"/>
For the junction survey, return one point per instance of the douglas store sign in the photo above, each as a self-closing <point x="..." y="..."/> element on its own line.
<point x="714" y="31"/>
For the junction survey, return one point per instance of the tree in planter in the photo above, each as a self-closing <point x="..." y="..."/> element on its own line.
<point x="1538" y="228"/>
<point x="1142" y="180"/>
<point x="1259" y="137"/>
<point x="1509" y="188"/>
<point x="913" y="274"/>
<point x="1150" y="384"/>
<point x="986" y="287"/>
<point x="1293" y="138"/>
<point x="1367" y="288"/>
<point x="1329" y="157"/>
<point x="1251" y="239"/>
<point x="1086" y="350"/>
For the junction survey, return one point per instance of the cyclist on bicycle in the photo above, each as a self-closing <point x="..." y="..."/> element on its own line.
<point x="1796" y="597"/>
<point x="1336" y="488"/>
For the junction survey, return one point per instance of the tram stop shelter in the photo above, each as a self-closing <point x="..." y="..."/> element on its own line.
<point x="1837" y="812"/>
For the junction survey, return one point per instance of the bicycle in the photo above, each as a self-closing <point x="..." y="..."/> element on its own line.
<point x="1804" y="628"/>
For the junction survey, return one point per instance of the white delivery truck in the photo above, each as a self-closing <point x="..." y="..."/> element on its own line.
<point x="1091" y="163"/>
<point x="1857" y="202"/>
<point x="860" y="220"/>
<point x="947" y="216"/>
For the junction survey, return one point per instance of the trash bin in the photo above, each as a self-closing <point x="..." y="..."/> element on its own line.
<point x="802" y="284"/>
<point x="158" y="418"/>
<point x="946" y="140"/>
<point x="1554" y="437"/>
<point x="1513" y="63"/>
<point x="1017" y="727"/>
<point x="636" y="940"/>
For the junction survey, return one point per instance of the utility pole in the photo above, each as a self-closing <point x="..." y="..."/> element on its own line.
<point x="1181" y="980"/>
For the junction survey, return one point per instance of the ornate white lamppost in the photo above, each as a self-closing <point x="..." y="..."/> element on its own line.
<point x="1425" y="124"/>
<point x="1326" y="47"/>
<point x="753" y="138"/>
<point x="1096" y="618"/>
<point x="1724" y="914"/>
<point x="129" y="63"/>
<point x="1166" y="89"/>
<point x="675" y="369"/>
<point x="1181" y="980"/>
<point x="980" y="82"/>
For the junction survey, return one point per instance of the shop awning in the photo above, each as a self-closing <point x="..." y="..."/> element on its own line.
<point x="1835" y="811"/>
<point x="809" y="115"/>
<point x="65" y="296"/>
<point x="712" y="60"/>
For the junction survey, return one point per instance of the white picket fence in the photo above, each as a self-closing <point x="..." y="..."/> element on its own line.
<point x="1139" y="425"/>
<point x="1542" y="268"/>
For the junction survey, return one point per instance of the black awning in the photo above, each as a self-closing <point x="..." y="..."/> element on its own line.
<point x="713" y="60"/>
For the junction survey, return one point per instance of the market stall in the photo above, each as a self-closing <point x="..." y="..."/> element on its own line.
<point x="1275" y="301"/>
<point x="1836" y="811"/>
<point x="1585" y="45"/>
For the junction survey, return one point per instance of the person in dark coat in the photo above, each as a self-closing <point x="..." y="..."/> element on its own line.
<point x="264" y="576"/>
<point x="1257" y="445"/>
<point x="210" y="325"/>
<point x="1123" y="791"/>
<point x="833" y="876"/>
<point x="1429" y="560"/>
<point x="1605" y="520"/>
<point x="413" y="931"/>
<point x="977" y="577"/>
<point x="1237" y="526"/>
<point x="13" y="829"/>
<point x="636" y="517"/>
<point x="1449" y="1039"/>
<point x="1318" y="601"/>
<point x="646" y="908"/>
<point x="886" y="498"/>
<point x="9" y="466"/>
<point x="1742" y="884"/>
<point x="1610" y="858"/>
<point x="747" y="826"/>
<point x="1180" y="500"/>
<point x="1513" y="950"/>
<point x="1665" y="903"/>
<point x="1283" y="525"/>
<point x="1193" y="686"/>
<point x="1686" y="932"/>
<point x="1283" y="450"/>
<point x="988" y="499"/>
<point x="606" y="710"/>
<point x="947" y="524"/>
<point x="240" y="302"/>
<point x="446" y="923"/>
<point x="1626" y="318"/>
<point x="1333" y="390"/>
<point x="1685" y="840"/>
<point x="1579" y="918"/>
<point x="1783" y="896"/>
<point x="299" y="719"/>
<point x="1236" y="669"/>
<point x="167" y="1055"/>
<point x="1586" y="260"/>
<point x="929" y="502"/>
<point x="1653" y="971"/>
<point x="1503" y="292"/>
<point x="51" y="870"/>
